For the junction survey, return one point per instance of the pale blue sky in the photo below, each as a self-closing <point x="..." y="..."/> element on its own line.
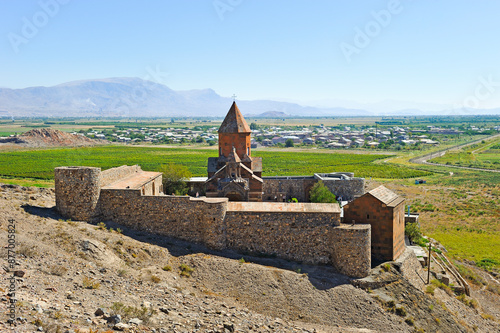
<point x="426" y="51"/>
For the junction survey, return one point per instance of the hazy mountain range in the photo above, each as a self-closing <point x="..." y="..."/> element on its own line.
<point x="133" y="97"/>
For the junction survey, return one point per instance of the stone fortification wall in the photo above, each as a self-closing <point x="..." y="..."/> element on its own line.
<point x="115" y="174"/>
<point x="290" y="187"/>
<point x="297" y="236"/>
<point x="299" y="187"/>
<point x="348" y="189"/>
<point x="411" y="269"/>
<point x="77" y="191"/>
<point x="190" y="219"/>
<point x="313" y="237"/>
<point x="351" y="251"/>
<point x="304" y="232"/>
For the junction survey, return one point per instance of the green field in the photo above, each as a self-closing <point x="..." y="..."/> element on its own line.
<point x="40" y="164"/>
<point x="470" y="245"/>
<point x="460" y="209"/>
<point x="485" y="155"/>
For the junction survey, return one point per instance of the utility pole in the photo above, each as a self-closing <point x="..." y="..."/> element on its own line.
<point x="429" y="264"/>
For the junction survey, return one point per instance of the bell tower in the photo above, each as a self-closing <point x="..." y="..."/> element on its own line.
<point x="234" y="132"/>
<point x="234" y="174"/>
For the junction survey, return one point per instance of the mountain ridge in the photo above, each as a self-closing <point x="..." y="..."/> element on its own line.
<point x="131" y="96"/>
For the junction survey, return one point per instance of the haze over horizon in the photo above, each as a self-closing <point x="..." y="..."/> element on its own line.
<point x="378" y="54"/>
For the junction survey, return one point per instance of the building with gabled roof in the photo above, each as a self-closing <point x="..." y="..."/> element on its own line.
<point x="234" y="174"/>
<point x="384" y="211"/>
<point x="234" y="132"/>
<point x="237" y="175"/>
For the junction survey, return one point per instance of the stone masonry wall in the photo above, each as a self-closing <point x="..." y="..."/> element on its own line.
<point x="182" y="217"/>
<point x="77" y="191"/>
<point x="349" y="189"/>
<point x="114" y="174"/>
<point x="299" y="187"/>
<point x="310" y="237"/>
<point x="387" y="225"/>
<point x="292" y="187"/>
<point x="302" y="237"/>
<point x="411" y="269"/>
<point x="313" y="238"/>
<point x="398" y="234"/>
<point x="351" y="253"/>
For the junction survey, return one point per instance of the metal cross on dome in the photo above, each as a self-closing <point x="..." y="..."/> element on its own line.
<point x="234" y="97"/>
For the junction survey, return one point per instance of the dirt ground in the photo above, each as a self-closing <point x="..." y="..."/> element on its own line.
<point x="72" y="269"/>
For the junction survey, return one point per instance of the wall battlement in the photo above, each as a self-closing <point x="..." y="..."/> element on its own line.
<point x="309" y="233"/>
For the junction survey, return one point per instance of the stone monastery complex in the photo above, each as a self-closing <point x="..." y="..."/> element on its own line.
<point x="242" y="210"/>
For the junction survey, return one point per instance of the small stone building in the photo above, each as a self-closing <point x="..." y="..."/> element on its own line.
<point x="384" y="211"/>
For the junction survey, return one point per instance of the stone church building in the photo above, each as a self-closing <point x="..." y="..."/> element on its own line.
<point x="234" y="174"/>
<point x="237" y="175"/>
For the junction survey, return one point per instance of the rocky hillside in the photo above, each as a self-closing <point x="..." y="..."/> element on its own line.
<point x="48" y="137"/>
<point x="77" y="277"/>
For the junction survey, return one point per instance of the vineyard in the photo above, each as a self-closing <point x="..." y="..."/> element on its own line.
<point x="40" y="164"/>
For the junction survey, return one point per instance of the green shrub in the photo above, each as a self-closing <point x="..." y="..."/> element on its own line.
<point x="441" y="285"/>
<point x="410" y="321"/>
<point x="128" y="312"/>
<point x="487" y="263"/>
<point x="412" y="230"/>
<point x="174" y="178"/>
<point x="430" y="289"/>
<point x="185" y="270"/>
<point x="320" y="193"/>
<point x="468" y="301"/>
<point x="400" y="311"/>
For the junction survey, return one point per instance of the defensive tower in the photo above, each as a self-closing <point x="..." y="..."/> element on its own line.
<point x="77" y="191"/>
